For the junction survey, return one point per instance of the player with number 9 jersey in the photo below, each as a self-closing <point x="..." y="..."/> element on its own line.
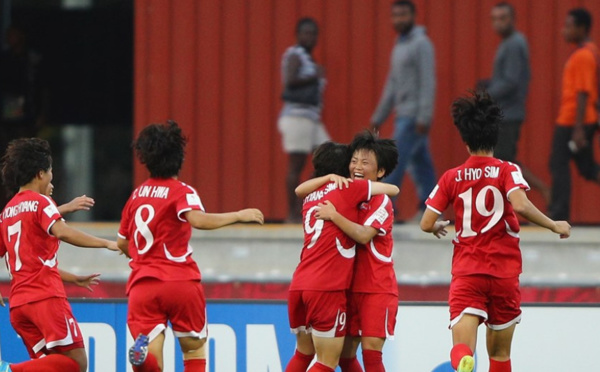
<point x="317" y="297"/>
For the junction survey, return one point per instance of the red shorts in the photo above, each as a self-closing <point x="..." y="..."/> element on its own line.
<point x="47" y="325"/>
<point x="372" y="314"/>
<point x="497" y="301"/>
<point x="321" y="312"/>
<point x="153" y="302"/>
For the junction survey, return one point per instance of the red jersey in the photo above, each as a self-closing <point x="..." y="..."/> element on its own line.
<point x="374" y="266"/>
<point x="328" y="254"/>
<point x="158" y="234"/>
<point x="487" y="229"/>
<point x="30" y="249"/>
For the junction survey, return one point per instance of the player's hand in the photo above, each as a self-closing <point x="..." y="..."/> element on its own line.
<point x="80" y="203"/>
<point x="87" y="281"/>
<point x="251" y="215"/>
<point x="422" y="129"/>
<point x="579" y="137"/>
<point x="2" y="301"/>
<point x="325" y="211"/>
<point x="562" y="228"/>
<point x="439" y="229"/>
<point x="112" y="246"/>
<point x="340" y="181"/>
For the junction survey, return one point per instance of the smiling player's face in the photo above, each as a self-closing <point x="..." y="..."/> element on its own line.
<point x="363" y="165"/>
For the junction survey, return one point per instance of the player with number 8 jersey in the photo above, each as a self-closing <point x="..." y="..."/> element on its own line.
<point x="485" y="194"/>
<point x="155" y="231"/>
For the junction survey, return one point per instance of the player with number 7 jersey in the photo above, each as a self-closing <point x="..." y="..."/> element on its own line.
<point x="156" y="227"/>
<point x="317" y="296"/>
<point x="31" y="227"/>
<point x="485" y="193"/>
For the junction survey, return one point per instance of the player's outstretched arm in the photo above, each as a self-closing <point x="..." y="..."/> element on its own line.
<point x="80" y="239"/>
<point x="210" y="221"/>
<point x="524" y="207"/>
<point x="80" y="203"/>
<point x="311" y="185"/>
<point x="380" y="188"/>
<point x="359" y="233"/>
<point x="430" y="224"/>
<point x="86" y="281"/>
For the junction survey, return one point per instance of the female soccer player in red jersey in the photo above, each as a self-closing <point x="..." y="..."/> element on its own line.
<point x="485" y="193"/>
<point x="317" y="299"/>
<point x="155" y="231"/>
<point x="373" y="296"/>
<point x="30" y="228"/>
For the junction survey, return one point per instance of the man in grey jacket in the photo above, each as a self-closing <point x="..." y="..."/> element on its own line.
<point x="509" y="86"/>
<point x="410" y="90"/>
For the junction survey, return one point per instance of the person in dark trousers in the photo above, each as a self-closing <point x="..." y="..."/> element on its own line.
<point x="509" y="85"/>
<point x="578" y="115"/>
<point x="410" y="89"/>
<point x="300" y="119"/>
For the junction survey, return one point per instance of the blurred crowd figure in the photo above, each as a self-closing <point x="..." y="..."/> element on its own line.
<point x="23" y="97"/>
<point x="509" y="86"/>
<point x="300" y="119"/>
<point x="577" y="120"/>
<point x="410" y="90"/>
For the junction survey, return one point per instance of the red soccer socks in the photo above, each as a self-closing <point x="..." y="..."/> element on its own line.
<point x="50" y="363"/>
<point x="194" y="365"/>
<point x="496" y="366"/>
<point x="373" y="361"/>
<point x="350" y="365"/>
<point x="299" y="362"/>
<point x="458" y="352"/>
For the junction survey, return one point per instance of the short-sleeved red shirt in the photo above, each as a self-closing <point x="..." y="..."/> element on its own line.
<point x="158" y="234"/>
<point x="374" y="267"/>
<point x="29" y="248"/>
<point x="487" y="228"/>
<point x="327" y="257"/>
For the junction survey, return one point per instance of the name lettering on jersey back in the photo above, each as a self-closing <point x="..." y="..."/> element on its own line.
<point x="474" y="174"/>
<point x="160" y="192"/>
<point x="22" y="207"/>
<point x="320" y="194"/>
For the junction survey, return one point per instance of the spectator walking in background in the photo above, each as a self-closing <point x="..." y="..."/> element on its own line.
<point x="509" y="86"/>
<point x="300" y="119"/>
<point x="578" y="114"/>
<point x="410" y="89"/>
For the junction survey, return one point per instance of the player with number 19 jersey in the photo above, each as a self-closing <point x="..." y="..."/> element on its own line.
<point x="487" y="228"/>
<point x="487" y="259"/>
